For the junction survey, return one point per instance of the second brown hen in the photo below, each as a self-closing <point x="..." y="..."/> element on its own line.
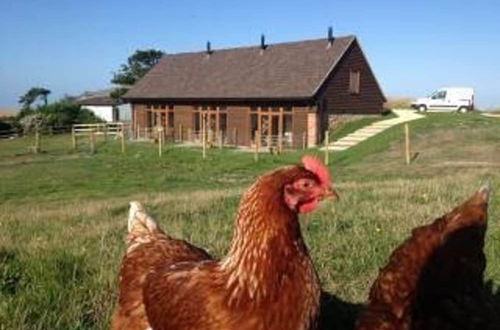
<point x="434" y="280"/>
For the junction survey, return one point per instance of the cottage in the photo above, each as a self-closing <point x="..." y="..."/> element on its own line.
<point x="105" y="107"/>
<point x="281" y="91"/>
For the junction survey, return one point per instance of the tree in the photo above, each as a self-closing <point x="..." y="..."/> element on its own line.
<point x="32" y="95"/>
<point x="138" y="64"/>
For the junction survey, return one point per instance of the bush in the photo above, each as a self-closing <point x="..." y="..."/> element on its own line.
<point x="62" y="113"/>
<point x="5" y="125"/>
<point x="65" y="113"/>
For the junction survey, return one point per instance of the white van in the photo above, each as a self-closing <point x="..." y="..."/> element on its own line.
<point x="459" y="99"/>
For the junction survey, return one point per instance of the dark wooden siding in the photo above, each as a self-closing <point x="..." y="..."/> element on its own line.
<point x="335" y="97"/>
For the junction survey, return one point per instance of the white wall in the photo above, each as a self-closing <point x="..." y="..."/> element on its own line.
<point x="125" y="112"/>
<point x="105" y="112"/>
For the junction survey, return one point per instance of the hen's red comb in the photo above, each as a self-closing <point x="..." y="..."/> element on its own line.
<point x="316" y="166"/>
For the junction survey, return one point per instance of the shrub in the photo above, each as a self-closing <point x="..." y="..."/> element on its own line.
<point x="62" y="113"/>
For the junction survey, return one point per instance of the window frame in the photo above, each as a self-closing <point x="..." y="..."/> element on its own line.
<point x="354" y="82"/>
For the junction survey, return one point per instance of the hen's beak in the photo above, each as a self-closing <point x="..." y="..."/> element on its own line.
<point x="331" y="193"/>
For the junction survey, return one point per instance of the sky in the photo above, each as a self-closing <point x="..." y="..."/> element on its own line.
<point x="414" y="47"/>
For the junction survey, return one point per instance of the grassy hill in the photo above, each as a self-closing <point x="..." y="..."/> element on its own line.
<point x="63" y="214"/>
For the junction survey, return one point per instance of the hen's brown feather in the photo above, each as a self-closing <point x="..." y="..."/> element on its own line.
<point x="432" y="279"/>
<point x="147" y="247"/>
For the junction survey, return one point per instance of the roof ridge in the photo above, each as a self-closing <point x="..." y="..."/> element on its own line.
<point x="257" y="46"/>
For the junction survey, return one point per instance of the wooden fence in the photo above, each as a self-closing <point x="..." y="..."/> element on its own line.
<point x="106" y="130"/>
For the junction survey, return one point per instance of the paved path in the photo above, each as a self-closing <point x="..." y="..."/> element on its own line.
<point x="494" y="115"/>
<point x="368" y="131"/>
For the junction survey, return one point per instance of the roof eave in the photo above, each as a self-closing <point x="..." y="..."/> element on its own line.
<point x="219" y="99"/>
<point x="332" y="67"/>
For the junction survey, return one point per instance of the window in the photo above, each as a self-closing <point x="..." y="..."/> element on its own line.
<point x="213" y="107"/>
<point x="222" y="107"/>
<point x="439" y="95"/>
<point x="223" y="122"/>
<point x="354" y="78"/>
<point x="163" y="106"/>
<point x="149" y="119"/>
<point x="148" y="106"/>
<point x="254" y="124"/>
<point x="288" y="108"/>
<point x="170" y="107"/>
<point x="171" y="119"/>
<point x="287" y="125"/>
<point x="197" y="122"/>
<point x="254" y="108"/>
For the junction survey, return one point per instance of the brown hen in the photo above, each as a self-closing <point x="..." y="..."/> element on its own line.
<point x="267" y="280"/>
<point x="434" y="280"/>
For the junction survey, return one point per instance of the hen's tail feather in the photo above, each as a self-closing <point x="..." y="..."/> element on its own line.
<point x="485" y="191"/>
<point x="139" y="222"/>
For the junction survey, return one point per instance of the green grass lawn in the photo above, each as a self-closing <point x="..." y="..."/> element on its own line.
<point x="63" y="213"/>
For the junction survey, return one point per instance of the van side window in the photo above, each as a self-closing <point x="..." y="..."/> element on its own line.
<point x="354" y="79"/>
<point x="439" y="95"/>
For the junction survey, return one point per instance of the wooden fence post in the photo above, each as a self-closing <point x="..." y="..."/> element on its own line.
<point x="220" y="139"/>
<point x="91" y="137"/>
<point x="73" y="137"/>
<point x="105" y="129"/>
<point x="189" y="134"/>
<point x="37" y="141"/>
<point x="280" y="144"/>
<point x="235" y="137"/>
<point x="122" y="135"/>
<point x="160" y="140"/>
<point x="180" y="133"/>
<point x="407" y="144"/>
<point x="257" y="142"/>
<point x="304" y="144"/>
<point x="326" y="147"/>
<point x="203" y="138"/>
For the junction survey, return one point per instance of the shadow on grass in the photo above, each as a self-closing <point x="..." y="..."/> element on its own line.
<point x="337" y="314"/>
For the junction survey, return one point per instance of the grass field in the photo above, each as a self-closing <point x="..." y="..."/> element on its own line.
<point x="63" y="214"/>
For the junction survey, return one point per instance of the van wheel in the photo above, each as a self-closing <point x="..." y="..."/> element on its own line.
<point x="422" y="108"/>
<point x="463" y="109"/>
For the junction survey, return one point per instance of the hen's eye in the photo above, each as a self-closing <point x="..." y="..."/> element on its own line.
<point x="306" y="184"/>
